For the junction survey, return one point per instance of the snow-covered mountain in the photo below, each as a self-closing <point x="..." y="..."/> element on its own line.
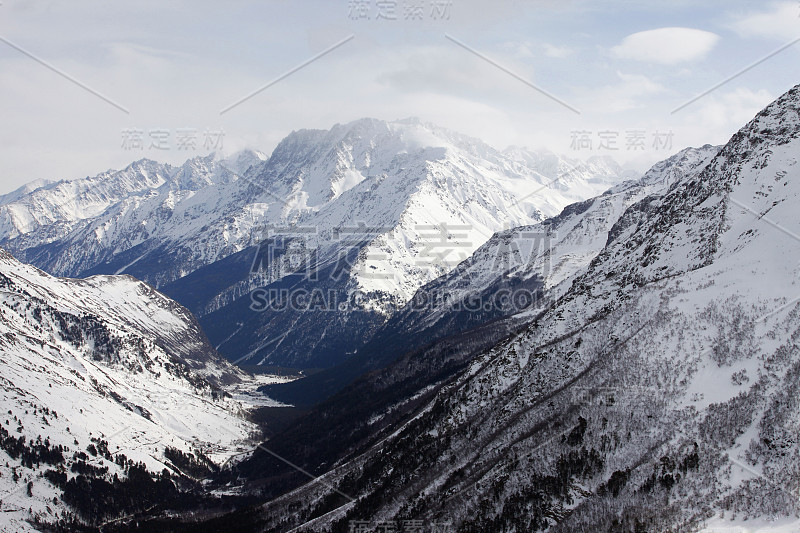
<point x="520" y="272"/>
<point x="657" y="388"/>
<point x="399" y="203"/>
<point x="395" y="178"/>
<point x="555" y="250"/>
<point x="102" y="379"/>
<point x="70" y="227"/>
<point x="658" y="392"/>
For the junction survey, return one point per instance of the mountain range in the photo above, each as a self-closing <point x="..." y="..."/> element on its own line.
<point x="622" y="360"/>
<point x="376" y="208"/>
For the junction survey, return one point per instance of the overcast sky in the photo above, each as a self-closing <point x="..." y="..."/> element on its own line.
<point x="83" y="83"/>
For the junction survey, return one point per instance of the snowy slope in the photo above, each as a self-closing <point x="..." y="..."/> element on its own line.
<point x="102" y="359"/>
<point x="660" y="392"/>
<point x="559" y="248"/>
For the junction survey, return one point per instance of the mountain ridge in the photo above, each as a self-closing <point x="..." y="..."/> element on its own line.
<point x="385" y="195"/>
<point x="112" y="388"/>
<point x="658" y="392"/>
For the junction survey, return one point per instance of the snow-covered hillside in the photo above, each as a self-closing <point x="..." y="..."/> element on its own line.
<point x="557" y="249"/>
<point x="659" y="392"/>
<point x="99" y="375"/>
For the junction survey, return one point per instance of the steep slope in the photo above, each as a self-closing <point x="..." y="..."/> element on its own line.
<point x="659" y="392"/>
<point x="104" y="380"/>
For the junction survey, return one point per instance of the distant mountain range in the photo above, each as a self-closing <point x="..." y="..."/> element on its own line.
<point x="385" y="207"/>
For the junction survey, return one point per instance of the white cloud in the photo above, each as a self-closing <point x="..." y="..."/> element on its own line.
<point x="720" y="114"/>
<point x="551" y="50"/>
<point x="667" y="46"/>
<point x="519" y="49"/>
<point x="780" y="22"/>
<point x="630" y="92"/>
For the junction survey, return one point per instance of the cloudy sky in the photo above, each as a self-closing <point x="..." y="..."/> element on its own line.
<point x="87" y="86"/>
